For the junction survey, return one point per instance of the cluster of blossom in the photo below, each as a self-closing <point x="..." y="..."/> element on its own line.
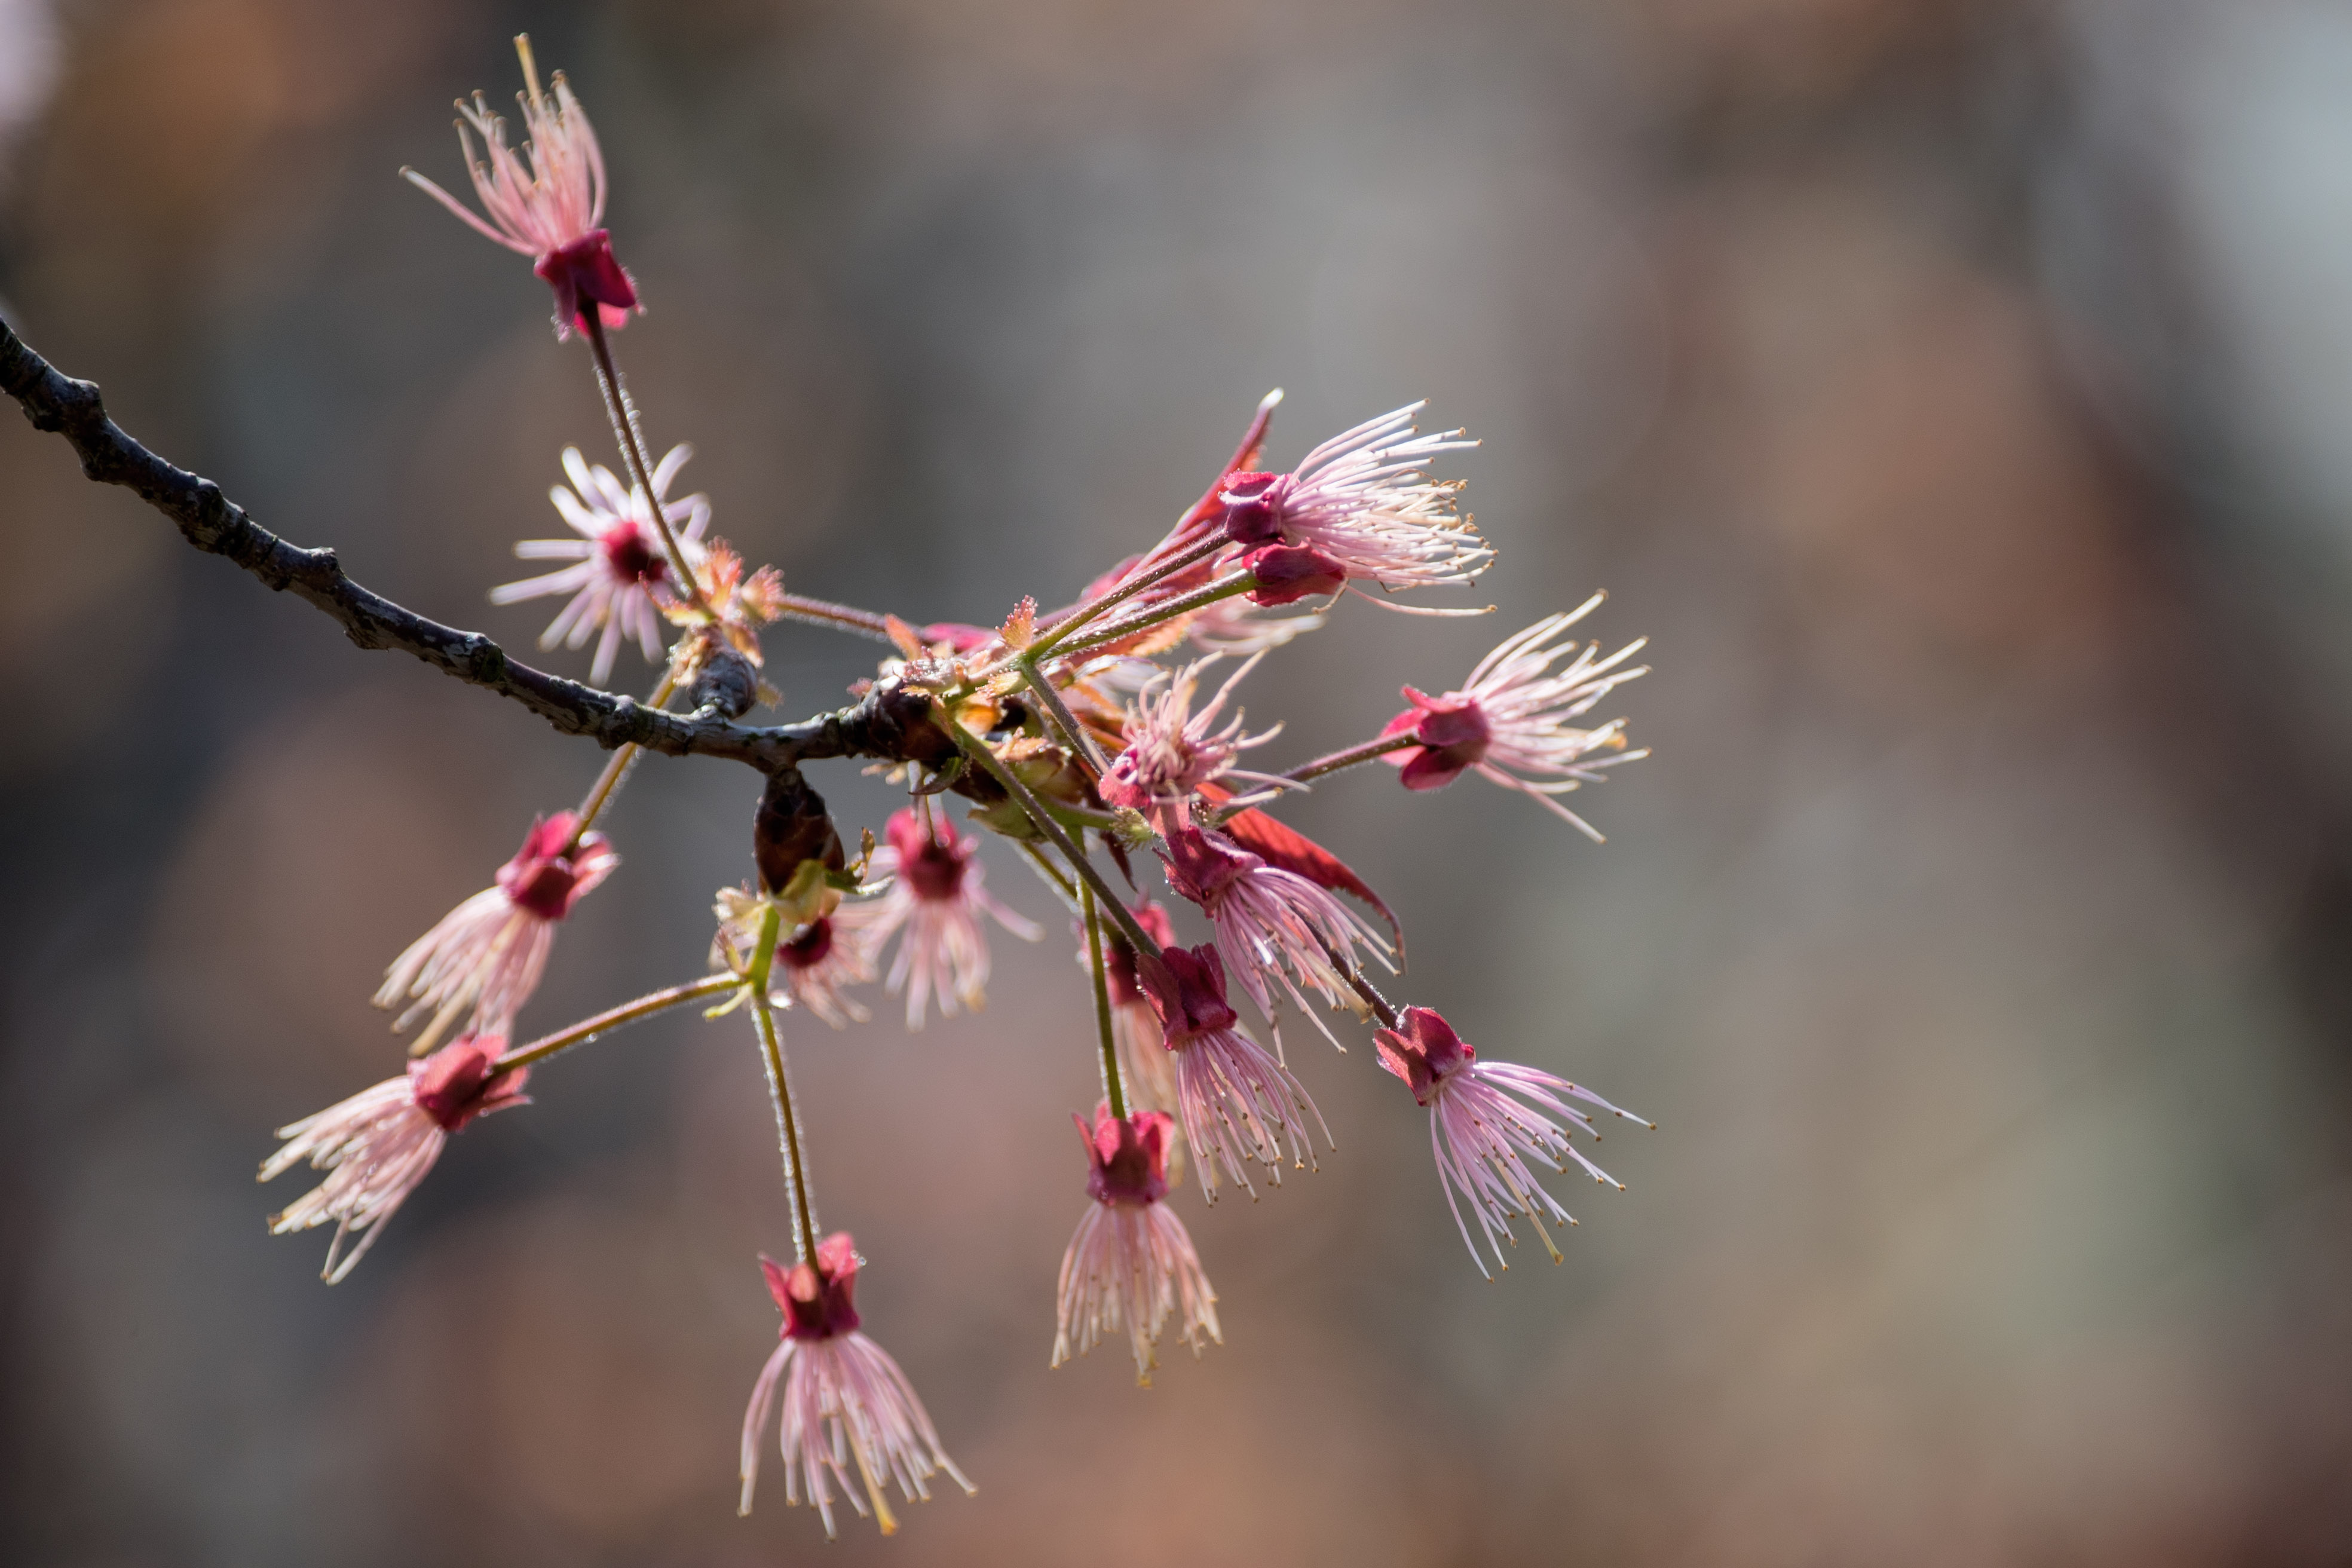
<point x="1089" y="730"/>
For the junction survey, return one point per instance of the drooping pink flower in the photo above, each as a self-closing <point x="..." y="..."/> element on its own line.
<point x="815" y="966"/>
<point x="934" y="907"/>
<point x="1359" y="508"/>
<point x="378" y="1144"/>
<point x="1484" y="1119"/>
<point x="846" y="1403"/>
<point x="548" y="207"/>
<point x="1237" y="1102"/>
<point x="1172" y="752"/>
<point x="1130" y="1264"/>
<point x="1273" y="926"/>
<point x="1509" y="722"/>
<point x="489" y="951"/>
<point x="623" y="576"/>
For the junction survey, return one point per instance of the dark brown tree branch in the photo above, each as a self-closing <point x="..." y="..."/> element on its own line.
<point x="886" y="724"/>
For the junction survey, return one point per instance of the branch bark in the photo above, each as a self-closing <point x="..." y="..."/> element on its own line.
<point x="882" y="725"/>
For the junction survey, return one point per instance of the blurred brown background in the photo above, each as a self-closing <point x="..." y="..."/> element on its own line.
<point x="1960" y="395"/>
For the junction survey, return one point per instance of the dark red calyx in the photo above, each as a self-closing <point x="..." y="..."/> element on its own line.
<point x="1289" y="572"/>
<point x="1253" y="508"/>
<point x="457" y="1082"/>
<point x="1188" y="992"/>
<point x="550" y="873"/>
<point x="1453" y="733"/>
<point x="817" y="1302"/>
<point x="1202" y="866"/>
<point x="584" y="274"/>
<point x="932" y="862"/>
<point x="1128" y="1156"/>
<point x="807" y="949"/>
<point x="1424" y="1053"/>
<point x="1120" y="786"/>
<point x="630" y="553"/>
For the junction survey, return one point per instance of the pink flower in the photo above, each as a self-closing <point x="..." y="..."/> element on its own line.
<point x="817" y="963"/>
<point x="378" y="1144"/>
<point x="936" y="902"/>
<point x="622" y="578"/>
<point x="1513" y="713"/>
<point x="1237" y="1102"/>
<point x="550" y="209"/>
<point x="489" y="951"/>
<point x="1130" y="1263"/>
<point x="1359" y="509"/>
<point x="1272" y="925"/>
<point x="1482" y="1134"/>
<point x="1171" y="752"/>
<point x="844" y="1400"/>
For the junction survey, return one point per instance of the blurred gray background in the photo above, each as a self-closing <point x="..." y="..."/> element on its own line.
<point x="1960" y="395"/>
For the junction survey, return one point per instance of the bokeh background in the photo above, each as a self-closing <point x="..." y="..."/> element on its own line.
<point x="1960" y="397"/>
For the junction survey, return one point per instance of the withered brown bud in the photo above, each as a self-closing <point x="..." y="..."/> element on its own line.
<point x="903" y="726"/>
<point x="792" y="825"/>
<point x="726" y="684"/>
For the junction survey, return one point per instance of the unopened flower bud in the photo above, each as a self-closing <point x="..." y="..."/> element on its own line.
<point x="727" y="684"/>
<point x="791" y="827"/>
<point x="1289" y="572"/>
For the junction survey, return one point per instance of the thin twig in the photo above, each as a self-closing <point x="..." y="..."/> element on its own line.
<point x="877" y="727"/>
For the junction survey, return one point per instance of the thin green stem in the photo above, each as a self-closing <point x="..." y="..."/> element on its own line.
<point x="1062" y="887"/>
<point x="780" y="1087"/>
<point x="1190" y="556"/>
<point x="623" y="414"/>
<point x="644" y="1006"/>
<point x="1224" y="587"/>
<point x="1112" y="1091"/>
<point x="1378" y="747"/>
<point x="1073" y="732"/>
<point x="1139" y="939"/>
